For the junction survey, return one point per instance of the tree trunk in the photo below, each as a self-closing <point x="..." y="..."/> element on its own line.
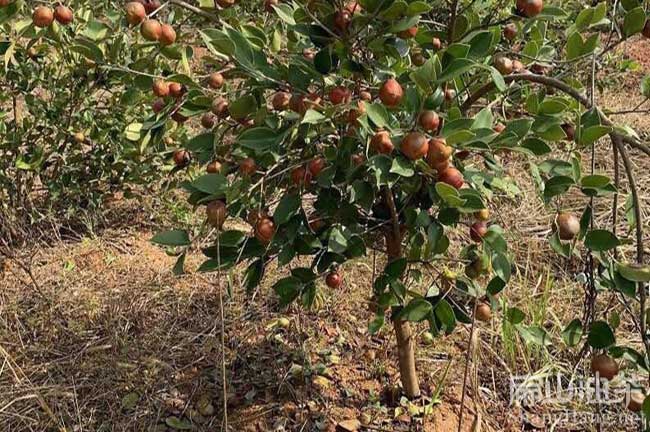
<point x="405" y="342"/>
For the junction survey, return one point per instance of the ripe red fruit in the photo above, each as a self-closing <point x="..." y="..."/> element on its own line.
<point x="182" y="158"/>
<point x="215" y="80"/>
<point x="504" y="65"/>
<point x="439" y="151"/>
<point x="382" y="143"/>
<point x="415" y="146"/>
<point x="280" y="101"/>
<point x="342" y="20"/>
<point x="450" y="95"/>
<point x="160" y="88"/>
<point x="391" y="93"/>
<point x="248" y="166"/>
<point x="216" y="213"/>
<point x="63" y="15"/>
<point x="213" y="167"/>
<point x="355" y="113"/>
<point x="334" y="279"/>
<point x="483" y="312"/>
<point x="300" y="176"/>
<point x="530" y="8"/>
<point x="220" y="107"/>
<point x="604" y="366"/>
<point x="268" y="5"/>
<point x="499" y="127"/>
<point x="264" y="230"/>
<point x="297" y="104"/>
<point x="510" y="31"/>
<point x="568" y="226"/>
<point x="358" y="159"/>
<point x="429" y="121"/>
<point x="437" y="44"/>
<point x="151" y="30"/>
<point x="158" y="105"/>
<point x="4" y="3"/>
<point x="478" y="230"/>
<point x="339" y="95"/>
<point x="135" y="13"/>
<point x="42" y="16"/>
<point x="308" y="54"/>
<point x="316" y="165"/>
<point x="409" y="33"/>
<point x="176" y="90"/>
<point x="440" y="166"/>
<point x="452" y="177"/>
<point x="207" y="121"/>
<point x="167" y="35"/>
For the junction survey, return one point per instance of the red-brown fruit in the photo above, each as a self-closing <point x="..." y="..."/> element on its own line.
<point x="226" y="3"/>
<point x="167" y="35"/>
<point x="220" y="107"/>
<point x="158" y="105"/>
<point x="483" y="312"/>
<point x="518" y="66"/>
<point x="135" y="13"/>
<point x="510" y="31"/>
<point x="439" y="151"/>
<point x="391" y="93"/>
<point x="409" y="33"/>
<point x="429" y="121"/>
<point x="264" y="230"/>
<point x="604" y="366"/>
<point x="182" y="158"/>
<point x="452" y="177"/>
<point x="297" y="104"/>
<point x="207" y="121"/>
<point x="5" y="3"/>
<point x="382" y="143"/>
<point x="478" y="230"/>
<point x="248" y="166"/>
<point x="316" y="165"/>
<point x="151" y="30"/>
<point x="353" y="7"/>
<point x="568" y="226"/>
<point x="178" y="117"/>
<point x="300" y="176"/>
<point x="635" y="402"/>
<point x="216" y="213"/>
<point x="334" y="279"/>
<point x="355" y="113"/>
<point x="280" y="101"/>
<point x="418" y="59"/>
<point x="437" y="44"/>
<point x="42" y="16"/>
<point x="365" y="96"/>
<point x="463" y="154"/>
<point x="499" y="127"/>
<point x="530" y="8"/>
<point x="358" y="159"/>
<point x="63" y="15"/>
<point x="342" y="20"/>
<point x="415" y="146"/>
<point x="339" y="95"/>
<point x="569" y="131"/>
<point x="440" y="166"/>
<point x="308" y="54"/>
<point x="503" y="65"/>
<point x="160" y="88"/>
<point x="268" y="5"/>
<point x="213" y="167"/>
<point x="215" y="80"/>
<point x="176" y="90"/>
<point x="150" y="6"/>
<point x="450" y="95"/>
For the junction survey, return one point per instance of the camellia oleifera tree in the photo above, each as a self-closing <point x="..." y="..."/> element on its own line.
<point x="339" y="130"/>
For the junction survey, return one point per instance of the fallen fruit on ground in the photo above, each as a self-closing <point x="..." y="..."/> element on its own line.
<point x="605" y="366"/>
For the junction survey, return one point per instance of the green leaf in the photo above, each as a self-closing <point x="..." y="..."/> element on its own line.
<point x="211" y="184"/>
<point x="601" y="335"/>
<point x="378" y="114"/>
<point x="253" y="275"/>
<point x="402" y="167"/>
<point x="395" y="269"/>
<point x="572" y="333"/>
<point x="634" y="21"/>
<point x="285" y="13"/>
<point x="287" y="289"/>
<point x="593" y="134"/>
<point x="178" y="424"/>
<point x="243" y="107"/>
<point x="634" y="272"/>
<point x="601" y="240"/>
<point x="449" y="194"/>
<point x="288" y="206"/>
<point x="259" y="139"/>
<point x="535" y="335"/>
<point x="417" y="310"/>
<point x="445" y="313"/>
<point x="172" y="238"/>
<point x="313" y="117"/>
<point x="179" y="267"/>
<point x="456" y="68"/>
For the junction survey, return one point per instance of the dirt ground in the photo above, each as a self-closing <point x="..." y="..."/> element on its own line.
<point x="99" y="335"/>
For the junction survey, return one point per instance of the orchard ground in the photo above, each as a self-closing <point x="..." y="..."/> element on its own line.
<point x="124" y="345"/>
